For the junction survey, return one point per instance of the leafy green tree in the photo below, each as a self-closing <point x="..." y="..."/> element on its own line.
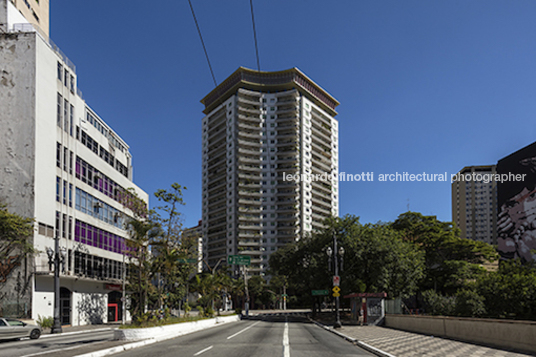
<point x="15" y="234"/>
<point x="451" y="261"/>
<point x="170" y="248"/>
<point x="510" y="292"/>
<point x="438" y="304"/>
<point x="141" y="232"/>
<point x="376" y="259"/>
<point x="469" y="303"/>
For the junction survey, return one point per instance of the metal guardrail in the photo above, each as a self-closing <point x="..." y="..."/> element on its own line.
<point x="25" y="27"/>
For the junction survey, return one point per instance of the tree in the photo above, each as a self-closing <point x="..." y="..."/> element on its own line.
<point x="171" y="248"/>
<point x="376" y="259"/>
<point x="509" y="292"/>
<point x="451" y="261"/>
<point x="15" y="243"/>
<point x="142" y="232"/>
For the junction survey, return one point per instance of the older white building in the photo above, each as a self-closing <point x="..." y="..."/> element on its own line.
<point x="62" y="165"/>
<point x="270" y="164"/>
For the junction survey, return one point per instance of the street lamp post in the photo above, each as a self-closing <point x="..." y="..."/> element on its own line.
<point x="335" y="252"/>
<point x="56" y="328"/>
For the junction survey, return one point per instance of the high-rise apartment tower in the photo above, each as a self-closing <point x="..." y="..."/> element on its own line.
<point x="474" y="203"/>
<point x="270" y="164"/>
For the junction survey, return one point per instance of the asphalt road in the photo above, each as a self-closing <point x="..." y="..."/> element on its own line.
<point x="56" y="345"/>
<point x="267" y="336"/>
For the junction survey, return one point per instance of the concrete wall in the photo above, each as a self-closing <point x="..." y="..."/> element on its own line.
<point x="508" y="334"/>
<point x="17" y="148"/>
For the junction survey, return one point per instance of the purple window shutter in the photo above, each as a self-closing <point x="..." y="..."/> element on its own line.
<point x="96" y="236"/>
<point x="100" y="239"/>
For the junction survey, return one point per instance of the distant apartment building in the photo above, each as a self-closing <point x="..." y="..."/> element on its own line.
<point x="65" y="167"/>
<point x="474" y="203"/>
<point x="35" y="12"/>
<point x="270" y="164"/>
<point x="196" y="233"/>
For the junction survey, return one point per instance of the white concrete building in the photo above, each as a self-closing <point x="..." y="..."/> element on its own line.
<point x="474" y="203"/>
<point x="261" y="131"/>
<point x="62" y="165"/>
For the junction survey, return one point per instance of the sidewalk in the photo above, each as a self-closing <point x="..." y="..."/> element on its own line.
<point x="407" y="344"/>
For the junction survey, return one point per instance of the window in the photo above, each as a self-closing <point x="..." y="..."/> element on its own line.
<point x="70" y="232"/>
<point x="60" y="101"/>
<point x="64" y="192"/>
<point x="72" y="83"/>
<point x="66" y="77"/>
<point x="70" y="195"/>
<point x="57" y="224"/>
<point x="71" y="163"/>
<point x="66" y="115"/>
<point x="65" y="156"/>
<point x="58" y="180"/>
<point x="64" y="226"/>
<point x="60" y="71"/>
<point x="58" y="155"/>
<point x="71" y="120"/>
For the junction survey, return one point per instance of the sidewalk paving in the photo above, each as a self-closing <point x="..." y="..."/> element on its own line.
<point x="407" y="344"/>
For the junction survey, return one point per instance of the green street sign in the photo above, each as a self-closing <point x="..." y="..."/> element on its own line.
<point x="191" y="261"/>
<point x="320" y="292"/>
<point x="239" y="260"/>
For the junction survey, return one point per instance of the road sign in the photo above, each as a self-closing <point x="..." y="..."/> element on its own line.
<point x="320" y="292"/>
<point x="239" y="260"/>
<point x="336" y="294"/>
<point x="336" y="289"/>
<point x="336" y="280"/>
<point x="191" y="261"/>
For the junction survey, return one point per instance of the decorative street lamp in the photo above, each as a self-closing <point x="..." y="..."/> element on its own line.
<point x="330" y="252"/>
<point x="54" y="259"/>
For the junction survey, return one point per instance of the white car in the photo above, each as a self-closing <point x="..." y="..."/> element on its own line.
<point x="13" y="329"/>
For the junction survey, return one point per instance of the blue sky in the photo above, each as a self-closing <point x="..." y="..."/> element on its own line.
<point x="424" y="86"/>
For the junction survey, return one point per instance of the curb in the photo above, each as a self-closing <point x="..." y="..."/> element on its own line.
<point x="75" y="332"/>
<point x="132" y="345"/>
<point x="361" y="344"/>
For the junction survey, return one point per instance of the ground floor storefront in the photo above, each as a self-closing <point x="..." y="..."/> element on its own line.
<point x="82" y="302"/>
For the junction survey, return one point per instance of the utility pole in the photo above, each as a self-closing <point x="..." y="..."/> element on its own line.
<point x="123" y="298"/>
<point x="247" y="292"/>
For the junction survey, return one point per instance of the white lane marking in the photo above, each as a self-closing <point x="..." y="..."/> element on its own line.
<point x="286" y="345"/>
<point x="239" y="332"/>
<point x="205" y="350"/>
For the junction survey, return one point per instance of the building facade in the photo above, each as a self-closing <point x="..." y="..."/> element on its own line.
<point x="517" y="205"/>
<point x="474" y="203"/>
<point x="196" y="235"/>
<point x="35" y="12"/>
<point x="270" y="164"/>
<point x="65" y="167"/>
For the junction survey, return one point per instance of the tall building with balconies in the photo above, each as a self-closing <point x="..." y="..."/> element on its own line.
<point x="270" y="164"/>
<point x="474" y="203"/>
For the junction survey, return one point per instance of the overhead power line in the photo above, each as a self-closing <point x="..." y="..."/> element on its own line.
<point x="255" y="36"/>
<point x="203" y="43"/>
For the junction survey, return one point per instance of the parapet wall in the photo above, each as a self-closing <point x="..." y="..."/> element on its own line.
<point x="507" y="334"/>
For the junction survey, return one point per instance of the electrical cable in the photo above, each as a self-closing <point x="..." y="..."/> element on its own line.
<point x="203" y="43"/>
<point x="255" y="36"/>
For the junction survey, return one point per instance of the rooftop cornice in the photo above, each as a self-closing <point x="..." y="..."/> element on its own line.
<point x="267" y="82"/>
